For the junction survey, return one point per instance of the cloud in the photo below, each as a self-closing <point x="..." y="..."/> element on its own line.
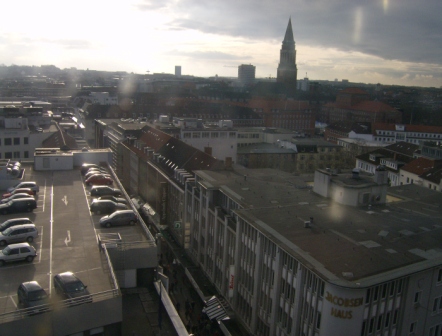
<point x="72" y="44"/>
<point x="405" y="30"/>
<point x="149" y="5"/>
<point x="209" y="55"/>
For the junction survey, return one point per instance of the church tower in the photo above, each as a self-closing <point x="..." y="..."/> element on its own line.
<point x="287" y="71"/>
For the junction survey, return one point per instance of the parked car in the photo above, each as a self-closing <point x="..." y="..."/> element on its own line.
<point x="68" y="286"/>
<point x="18" y="234"/>
<point x="33" y="297"/>
<point x="14" y="222"/>
<point x="28" y="191"/>
<point x="17" y="252"/>
<point x="120" y="217"/>
<point x="104" y="190"/>
<point x="86" y="166"/>
<point x="105" y="207"/>
<point x="99" y="180"/>
<point x="113" y="198"/>
<point x="18" y="205"/>
<point x="27" y="184"/>
<point x="95" y="172"/>
<point x="15" y="196"/>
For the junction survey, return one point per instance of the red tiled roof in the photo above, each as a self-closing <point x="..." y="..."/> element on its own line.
<point x="281" y="105"/>
<point x="373" y="106"/>
<point x="366" y="106"/>
<point x="419" y="166"/>
<point x="434" y="175"/>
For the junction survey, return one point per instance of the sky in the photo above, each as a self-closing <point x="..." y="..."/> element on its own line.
<point x="375" y="41"/>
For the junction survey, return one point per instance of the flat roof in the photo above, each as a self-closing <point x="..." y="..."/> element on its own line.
<point x="349" y="246"/>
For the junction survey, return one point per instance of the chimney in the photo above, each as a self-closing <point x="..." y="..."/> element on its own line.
<point x="208" y="150"/>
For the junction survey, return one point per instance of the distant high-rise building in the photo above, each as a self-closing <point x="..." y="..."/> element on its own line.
<point x="246" y="74"/>
<point x="287" y="70"/>
<point x="177" y="70"/>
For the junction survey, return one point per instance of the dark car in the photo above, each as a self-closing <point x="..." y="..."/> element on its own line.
<point x="28" y="191"/>
<point x="86" y="166"/>
<point x="13" y="222"/>
<point x="33" y="297"/>
<point x="113" y="198"/>
<point x="104" y="190"/>
<point x="105" y="207"/>
<point x="99" y="180"/>
<point x="27" y="184"/>
<point x="68" y="286"/>
<point x="15" y="196"/>
<point x="121" y="217"/>
<point x="18" y="205"/>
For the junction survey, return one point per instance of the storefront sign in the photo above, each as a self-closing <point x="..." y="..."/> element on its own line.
<point x="341" y="302"/>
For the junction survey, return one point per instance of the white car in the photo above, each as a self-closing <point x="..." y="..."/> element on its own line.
<point x="17" y="252"/>
<point x="18" y="234"/>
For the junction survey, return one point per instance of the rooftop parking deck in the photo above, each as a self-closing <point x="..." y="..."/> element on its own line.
<point x="67" y="242"/>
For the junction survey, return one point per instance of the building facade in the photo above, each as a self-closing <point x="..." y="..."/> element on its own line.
<point x="287" y="270"/>
<point x="246" y="74"/>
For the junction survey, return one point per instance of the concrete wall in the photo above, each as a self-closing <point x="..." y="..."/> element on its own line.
<point x="322" y="183"/>
<point x="54" y="162"/>
<point x="70" y="320"/>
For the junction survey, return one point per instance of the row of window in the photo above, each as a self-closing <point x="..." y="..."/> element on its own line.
<point x="372" y="294"/>
<point x="420" y="135"/>
<point x="197" y="135"/>
<point x="14" y="155"/>
<point x="14" y="141"/>
<point x="382" y="321"/>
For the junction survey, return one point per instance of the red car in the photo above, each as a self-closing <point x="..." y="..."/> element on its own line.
<point x="19" y="190"/>
<point x="99" y="180"/>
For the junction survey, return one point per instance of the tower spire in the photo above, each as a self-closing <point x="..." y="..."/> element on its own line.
<point x="289" y="32"/>
<point x="287" y="70"/>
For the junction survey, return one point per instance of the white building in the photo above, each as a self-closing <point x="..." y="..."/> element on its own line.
<point x="393" y="157"/>
<point x="103" y="98"/>
<point x="391" y="133"/>
<point x="22" y="129"/>
<point x="220" y="143"/>
<point x="303" y="84"/>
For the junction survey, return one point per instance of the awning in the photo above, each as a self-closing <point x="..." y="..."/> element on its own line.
<point x="215" y="309"/>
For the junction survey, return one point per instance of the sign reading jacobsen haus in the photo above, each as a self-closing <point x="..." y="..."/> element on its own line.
<point x="342" y="311"/>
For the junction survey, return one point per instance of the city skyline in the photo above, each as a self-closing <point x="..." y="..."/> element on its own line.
<point x="384" y="41"/>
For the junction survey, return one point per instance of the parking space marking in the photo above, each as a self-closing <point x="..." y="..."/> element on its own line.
<point x="68" y="238"/>
<point x="44" y="195"/>
<point x="13" y="301"/>
<point x="51" y="234"/>
<point x="87" y="193"/>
